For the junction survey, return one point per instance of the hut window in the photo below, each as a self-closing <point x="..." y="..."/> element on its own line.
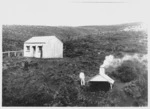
<point x="28" y="48"/>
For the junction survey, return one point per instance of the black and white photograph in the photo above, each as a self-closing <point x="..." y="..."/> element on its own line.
<point x="74" y="53"/>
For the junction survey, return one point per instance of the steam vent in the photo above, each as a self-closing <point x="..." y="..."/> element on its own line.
<point x="101" y="82"/>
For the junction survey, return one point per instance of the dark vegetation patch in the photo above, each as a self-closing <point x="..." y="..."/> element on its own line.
<point x="12" y="45"/>
<point x="129" y="71"/>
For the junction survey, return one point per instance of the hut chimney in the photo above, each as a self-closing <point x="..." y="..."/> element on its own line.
<point x="102" y="71"/>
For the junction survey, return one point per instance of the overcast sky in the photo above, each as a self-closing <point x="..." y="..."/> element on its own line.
<point x="72" y="13"/>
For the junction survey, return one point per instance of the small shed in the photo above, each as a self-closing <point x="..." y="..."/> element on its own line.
<point x="101" y="82"/>
<point x="43" y="47"/>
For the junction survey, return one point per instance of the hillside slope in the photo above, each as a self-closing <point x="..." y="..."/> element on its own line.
<point x="23" y="32"/>
<point x="114" y="36"/>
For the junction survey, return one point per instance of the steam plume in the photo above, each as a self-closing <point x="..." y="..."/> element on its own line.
<point x="115" y="62"/>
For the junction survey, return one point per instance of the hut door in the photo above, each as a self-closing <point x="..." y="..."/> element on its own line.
<point x="41" y="51"/>
<point x="34" y="50"/>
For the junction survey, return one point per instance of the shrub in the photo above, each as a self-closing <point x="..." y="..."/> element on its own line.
<point x="138" y="91"/>
<point x="66" y="96"/>
<point x="127" y="72"/>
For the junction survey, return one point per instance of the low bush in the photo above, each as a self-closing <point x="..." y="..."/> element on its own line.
<point x="128" y="71"/>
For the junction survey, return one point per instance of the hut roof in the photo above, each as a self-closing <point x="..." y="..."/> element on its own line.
<point x="102" y="78"/>
<point x="98" y="78"/>
<point x="40" y="39"/>
<point x="108" y="78"/>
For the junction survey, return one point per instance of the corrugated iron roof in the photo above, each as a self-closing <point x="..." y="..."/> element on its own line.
<point x="98" y="78"/>
<point x="102" y="78"/>
<point x="108" y="78"/>
<point x="40" y="39"/>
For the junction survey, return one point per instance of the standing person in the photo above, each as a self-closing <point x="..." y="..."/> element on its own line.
<point x="82" y="78"/>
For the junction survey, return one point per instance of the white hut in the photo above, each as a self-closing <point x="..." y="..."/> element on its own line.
<point x="43" y="47"/>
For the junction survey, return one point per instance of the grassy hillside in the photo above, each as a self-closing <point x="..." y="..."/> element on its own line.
<point x="22" y="32"/>
<point x="104" y="36"/>
<point x="55" y="82"/>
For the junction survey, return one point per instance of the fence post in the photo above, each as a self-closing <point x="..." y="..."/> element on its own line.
<point x="8" y="54"/>
<point x="21" y="53"/>
<point x="15" y="53"/>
